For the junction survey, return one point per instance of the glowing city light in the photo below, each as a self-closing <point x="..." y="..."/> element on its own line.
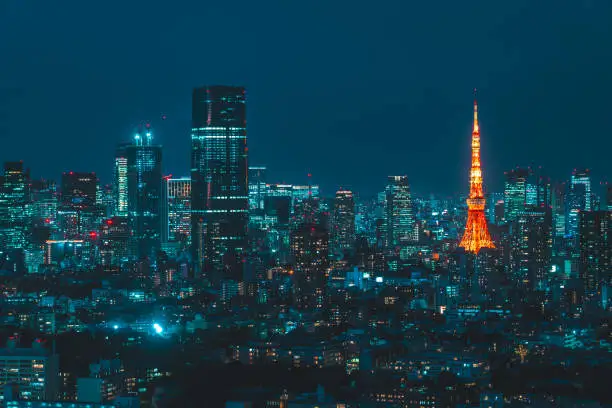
<point x="158" y="329"/>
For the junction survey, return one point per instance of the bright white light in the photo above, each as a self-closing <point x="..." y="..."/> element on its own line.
<point x="158" y="329"/>
<point x="379" y="279"/>
<point x="366" y="275"/>
<point x="115" y="327"/>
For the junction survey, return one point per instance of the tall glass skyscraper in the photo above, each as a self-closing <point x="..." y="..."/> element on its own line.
<point x="120" y="182"/>
<point x="176" y="221"/>
<point x="343" y="222"/>
<point x="399" y="218"/>
<point x="219" y="187"/>
<point x="515" y="193"/>
<point x="14" y="206"/>
<point x="144" y="180"/>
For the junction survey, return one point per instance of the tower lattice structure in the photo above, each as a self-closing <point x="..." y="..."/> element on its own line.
<point x="476" y="233"/>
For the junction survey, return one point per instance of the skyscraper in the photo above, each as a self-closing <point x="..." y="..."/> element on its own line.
<point x="14" y="203"/>
<point x="343" y="222"/>
<point x="399" y="218"/>
<point x="144" y="178"/>
<point x="595" y="250"/>
<point x="79" y="189"/>
<point x="515" y="193"/>
<point x="219" y="190"/>
<point x="177" y="210"/>
<point x="476" y="233"/>
<point x="578" y="199"/>
<point x="531" y="247"/>
<point x="120" y="182"/>
<point x="257" y="187"/>
<point x="309" y="247"/>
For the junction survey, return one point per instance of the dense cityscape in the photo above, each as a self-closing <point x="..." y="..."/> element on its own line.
<point x="226" y="288"/>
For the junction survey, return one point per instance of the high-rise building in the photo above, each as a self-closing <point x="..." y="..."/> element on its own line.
<point x="476" y="235"/>
<point x="79" y="190"/>
<point x="310" y="247"/>
<point x="515" y="193"/>
<point x="595" y="250"/>
<point x="582" y="177"/>
<point x="219" y="199"/>
<point x="558" y="210"/>
<point x="531" y="251"/>
<point x="120" y="181"/>
<point x="14" y="206"/>
<point x="578" y="199"/>
<point x="398" y="213"/>
<point x="257" y="187"/>
<point x="609" y="198"/>
<point x="343" y="222"/>
<point x="177" y="210"/>
<point x="144" y="176"/>
<point x="44" y="199"/>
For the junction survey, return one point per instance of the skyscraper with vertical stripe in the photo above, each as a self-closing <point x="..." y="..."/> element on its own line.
<point x="219" y="189"/>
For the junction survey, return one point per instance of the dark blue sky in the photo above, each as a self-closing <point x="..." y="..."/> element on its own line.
<point x="351" y="91"/>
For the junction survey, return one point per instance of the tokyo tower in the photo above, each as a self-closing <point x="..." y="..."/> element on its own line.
<point x="476" y="233"/>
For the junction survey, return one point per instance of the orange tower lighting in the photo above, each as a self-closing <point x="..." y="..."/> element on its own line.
<point x="476" y="233"/>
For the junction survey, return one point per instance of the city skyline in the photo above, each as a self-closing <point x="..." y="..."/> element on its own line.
<point x="532" y="116"/>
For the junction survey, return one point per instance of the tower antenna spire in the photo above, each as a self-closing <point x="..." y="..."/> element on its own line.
<point x="476" y="233"/>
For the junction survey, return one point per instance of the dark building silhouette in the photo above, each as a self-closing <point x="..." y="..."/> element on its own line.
<point x="219" y="181"/>
<point x="79" y="189"/>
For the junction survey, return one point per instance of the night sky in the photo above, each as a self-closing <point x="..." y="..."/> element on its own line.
<point x="351" y="91"/>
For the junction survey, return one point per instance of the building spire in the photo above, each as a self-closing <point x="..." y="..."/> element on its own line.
<point x="476" y="129"/>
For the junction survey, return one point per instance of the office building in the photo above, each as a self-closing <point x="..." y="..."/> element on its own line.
<point x="399" y="219"/>
<point x="343" y="222"/>
<point x="595" y="267"/>
<point x="531" y="250"/>
<point x="34" y="371"/>
<point x="219" y="199"/>
<point x="14" y="206"/>
<point x="257" y="187"/>
<point x="144" y="177"/>
<point x="177" y="211"/>
<point x="120" y="181"/>
<point x="79" y="190"/>
<point x="309" y="248"/>
<point x="515" y="193"/>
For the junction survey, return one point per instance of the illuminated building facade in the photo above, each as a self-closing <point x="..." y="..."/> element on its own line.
<point x="578" y="199"/>
<point x="398" y="212"/>
<point x="309" y="248"/>
<point x="120" y="182"/>
<point x="531" y="251"/>
<point x="257" y="187"/>
<point x="114" y="241"/>
<point x="44" y="198"/>
<point x="343" y="222"/>
<point x="14" y="206"/>
<point x="515" y="193"/>
<point x="177" y="210"/>
<point x="595" y="267"/>
<point x="219" y="190"/>
<point x="144" y="176"/>
<point x="476" y="235"/>
<point x="34" y="371"/>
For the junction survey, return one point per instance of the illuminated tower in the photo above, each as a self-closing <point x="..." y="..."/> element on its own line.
<point x="476" y="233"/>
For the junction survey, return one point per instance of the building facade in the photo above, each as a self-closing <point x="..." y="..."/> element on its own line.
<point x="219" y="190"/>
